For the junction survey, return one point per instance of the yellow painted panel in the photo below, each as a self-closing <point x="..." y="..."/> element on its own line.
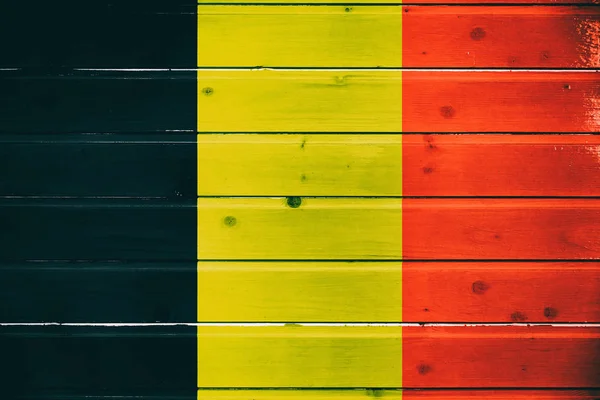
<point x="299" y="101"/>
<point x="294" y="228"/>
<point x="299" y="291"/>
<point x="348" y="394"/>
<point x="300" y="356"/>
<point x="300" y="36"/>
<point x="300" y="165"/>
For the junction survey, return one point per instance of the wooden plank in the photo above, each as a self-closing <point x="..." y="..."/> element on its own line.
<point x="501" y="36"/>
<point x="375" y="2"/>
<point x="68" y="361"/>
<point x="104" y="165"/>
<point x="142" y="34"/>
<point x="396" y="36"/>
<point x="279" y="228"/>
<point x="394" y="101"/>
<point x="393" y="292"/>
<point x="393" y="356"/>
<point x="299" y="36"/>
<point x="108" y="292"/>
<point x="501" y="229"/>
<point x="523" y="101"/>
<point x="97" y="101"/>
<point x="319" y="165"/>
<point x="378" y="229"/>
<point x="501" y="165"/>
<point x="103" y="230"/>
<point x="365" y="394"/>
<point x="544" y="292"/>
<point x="387" y="165"/>
<point x="280" y="101"/>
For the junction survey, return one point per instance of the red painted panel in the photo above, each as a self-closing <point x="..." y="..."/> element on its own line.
<point x="500" y="394"/>
<point x="490" y="229"/>
<point x="501" y="292"/>
<point x="505" y="356"/>
<point x="501" y="36"/>
<point x="491" y="101"/>
<point x="501" y="165"/>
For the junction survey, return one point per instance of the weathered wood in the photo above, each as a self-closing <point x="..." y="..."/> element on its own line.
<point x="433" y="229"/>
<point x="300" y="36"/>
<point x="501" y="36"/>
<point x="395" y="165"/>
<point x="100" y="34"/>
<point x="115" y="229"/>
<point x="114" y="165"/>
<point x="85" y="292"/>
<point x="398" y="36"/>
<point x="394" y="101"/>
<point x="368" y="2"/>
<point x="395" y="394"/>
<point x="393" y="292"/>
<point x="392" y="356"/>
<point x="325" y="165"/>
<point x="97" y="101"/>
<point x="501" y="229"/>
<point x="43" y="361"/>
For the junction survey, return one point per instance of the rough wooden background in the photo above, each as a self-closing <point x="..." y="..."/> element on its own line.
<point x="300" y="200"/>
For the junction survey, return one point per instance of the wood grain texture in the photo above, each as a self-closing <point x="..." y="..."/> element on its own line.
<point x="396" y="36"/>
<point x="280" y="101"/>
<point x="365" y="394"/>
<point x="97" y="101"/>
<point x="433" y="229"/>
<point x="395" y="165"/>
<point x="102" y="230"/>
<point x="523" y="101"/>
<point x="393" y="292"/>
<point x="142" y="34"/>
<point x="98" y="292"/>
<point x="387" y="356"/>
<point x="394" y="101"/>
<point x="299" y="36"/>
<point x="103" y="165"/>
<point x="501" y="36"/>
<point x="435" y="2"/>
<point x="501" y="165"/>
<point x="501" y="229"/>
<point x="269" y="228"/>
<point x="319" y="165"/>
<point x="68" y="361"/>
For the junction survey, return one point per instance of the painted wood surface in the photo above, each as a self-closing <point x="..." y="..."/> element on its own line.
<point x="488" y="292"/>
<point x="396" y="36"/>
<point x="388" y="356"/>
<point x="433" y="229"/>
<point x="40" y="362"/>
<point x="394" y="101"/>
<point x="159" y="165"/>
<point x="97" y="229"/>
<point x="395" y="165"/>
<point x="435" y="2"/>
<point x="75" y="34"/>
<point x="364" y="394"/>
<point x="76" y="101"/>
<point x="98" y="292"/>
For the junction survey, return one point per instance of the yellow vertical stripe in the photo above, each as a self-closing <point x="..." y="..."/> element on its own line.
<point x="292" y="394"/>
<point x="347" y="105"/>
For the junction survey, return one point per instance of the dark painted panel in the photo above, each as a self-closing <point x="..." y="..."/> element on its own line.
<point x="98" y="292"/>
<point x="99" y="34"/>
<point x="86" y="101"/>
<point x="141" y="165"/>
<point x="70" y="360"/>
<point x="69" y="229"/>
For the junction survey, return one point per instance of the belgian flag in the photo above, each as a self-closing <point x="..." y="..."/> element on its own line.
<point x="273" y="200"/>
